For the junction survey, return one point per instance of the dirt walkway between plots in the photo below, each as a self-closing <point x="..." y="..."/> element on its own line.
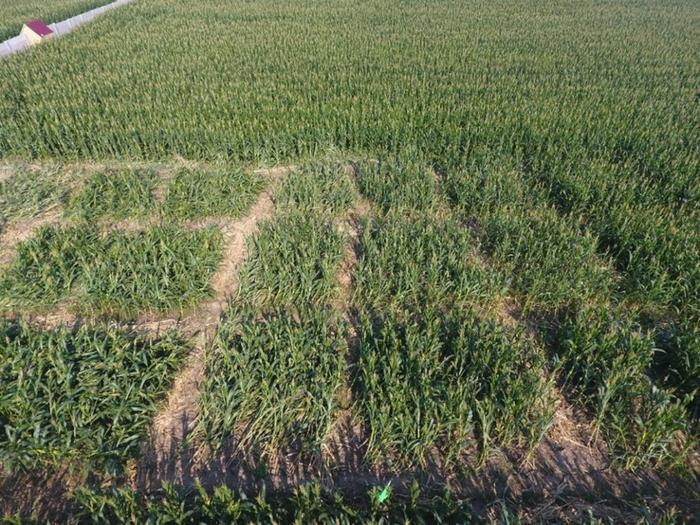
<point x="565" y="474"/>
<point x="162" y="455"/>
<point x="15" y="233"/>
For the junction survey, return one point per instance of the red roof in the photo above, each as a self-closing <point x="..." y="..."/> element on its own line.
<point x="39" y="27"/>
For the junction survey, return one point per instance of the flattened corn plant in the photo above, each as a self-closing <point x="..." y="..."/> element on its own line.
<point x="276" y="368"/>
<point x="47" y="267"/>
<point x="161" y="269"/>
<point x="432" y="376"/>
<point x="554" y="261"/>
<point x="433" y="382"/>
<point x="293" y="261"/>
<point x="677" y="360"/>
<point x="405" y="183"/>
<point x="320" y="187"/>
<point x="605" y="360"/>
<point x="29" y="192"/>
<point x="116" y="194"/>
<point x="195" y="193"/>
<point x="413" y="262"/>
<point x="273" y="379"/>
<point x="540" y="226"/>
<point x="81" y="398"/>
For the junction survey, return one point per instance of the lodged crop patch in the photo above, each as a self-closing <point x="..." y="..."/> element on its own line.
<point x="114" y="273"/>
<point x="116" y="194"/>
<point x="28" y="192"/>
<point x="200" y="193"/>
<point x="84" y="397"/>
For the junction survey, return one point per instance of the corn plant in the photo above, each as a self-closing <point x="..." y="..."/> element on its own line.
<point x="28" y="192"/>
<point x="199" y="193"/>
<point x="273" y="379"/>
<point x="322" y="186"/>
<point x="116" y="194"/>
<point x="554" y="262"/>
<point x="678" y="359"/>
<point x="81" y="398"/>
<point x="436" y="382"/>
<point x="569" y="165"/>
<point x="293" y="261"/>
<point x="308" y="503"/>
<point x="114" y="273"/>
<point x="275" y="370"/>
<point x="605" y="361"/>
<point x="47" y="267"/>
<point x="160" y="269"/>
<point x="421" y="261"/>
<point x="398" y="183"/>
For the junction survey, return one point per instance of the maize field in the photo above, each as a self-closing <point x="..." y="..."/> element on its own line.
<point x="352" y="262"/>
